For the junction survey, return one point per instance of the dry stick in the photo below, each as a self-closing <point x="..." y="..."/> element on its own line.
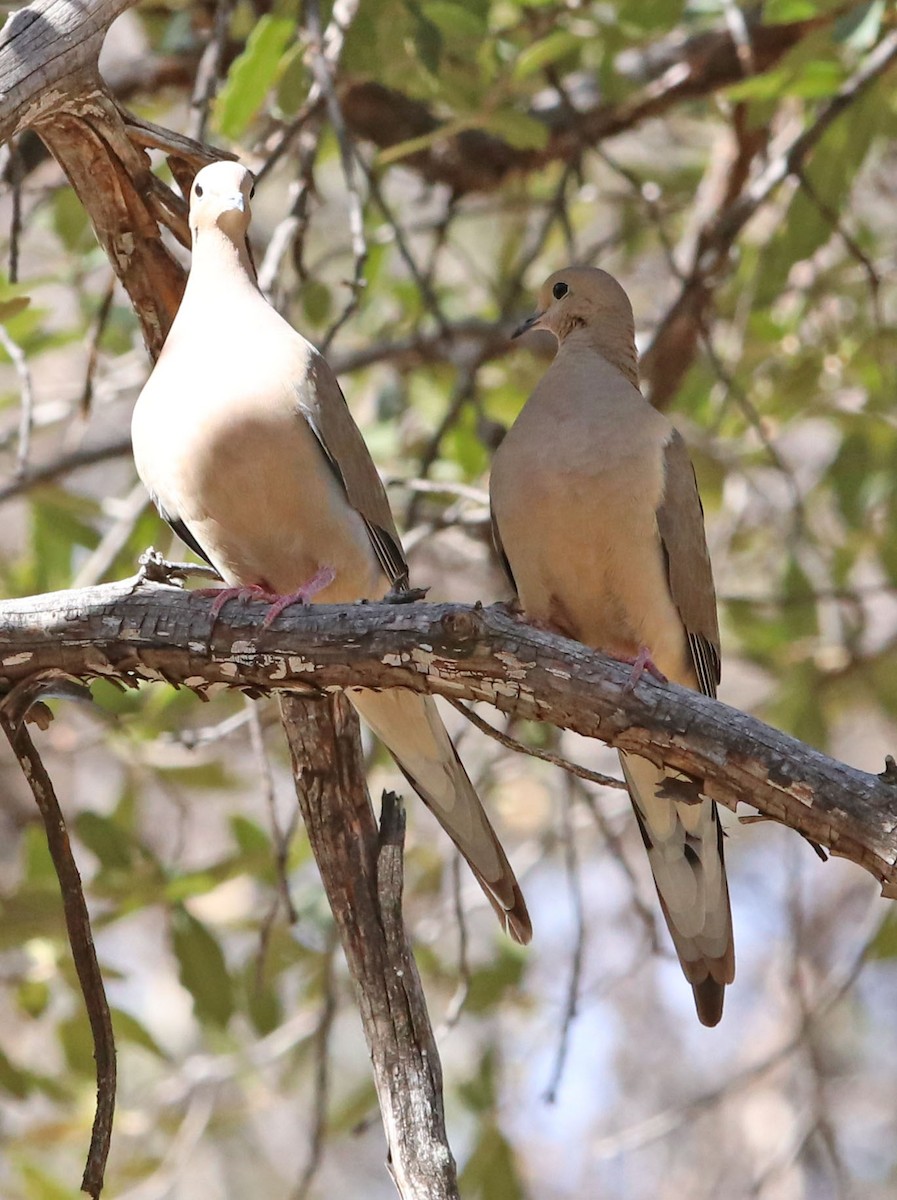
<point x="548" y="756"/>
<point x="323" y="73"/>
<point x="281" y="840"/>
<point x="361" y="870"/>
<point x="571" y="863"/>
<point x="208" y="73"/>
<point x="93" y="350"/>
<point x="15" y="217"/>
<point x="854" y="249"/>
<point x="88" y="456"/>
<point x="456" y="1005"/>
<point x="26" y="419"/>
<point x="77" y="921"/>
<point x="322" y="1077"/>
<point x="646" y="913"/>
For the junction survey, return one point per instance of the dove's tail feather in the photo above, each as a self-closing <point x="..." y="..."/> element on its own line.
<point x="685" y="848"/>
<point x="410" y="727"/>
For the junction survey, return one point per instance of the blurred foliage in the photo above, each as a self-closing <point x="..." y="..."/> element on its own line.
<point x="221" y="991"/>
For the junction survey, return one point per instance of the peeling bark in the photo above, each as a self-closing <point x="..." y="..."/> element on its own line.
<point x="135" y="632"/>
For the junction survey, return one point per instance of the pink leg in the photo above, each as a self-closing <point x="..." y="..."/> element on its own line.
<point x="321" y="579"/>
<point x="640" y="664"/>
<point x="222" y="595"/>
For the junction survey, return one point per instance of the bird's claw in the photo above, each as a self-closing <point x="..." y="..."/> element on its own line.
<point x="643" y="662"/>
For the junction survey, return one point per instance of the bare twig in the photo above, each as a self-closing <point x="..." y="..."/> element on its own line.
<point x="548" y="756"/>
<point x="456" y="1005"/>
<point x="322" y="1073"/>
<point x="322" y="68"/>
<point x="211" y="65"/>
<point x="26" y="400"/>
<point x="15" y="216"/>
<point x="571" y="863"/>
<point x="93" y="349"/>
<point x="77" y="921"/>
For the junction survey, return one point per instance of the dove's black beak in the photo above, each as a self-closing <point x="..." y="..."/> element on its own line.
<point x="529" y="323"/>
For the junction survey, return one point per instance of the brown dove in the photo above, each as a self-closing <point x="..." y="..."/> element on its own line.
<point x="597" y="518"/>
<point x="245" y="442"/>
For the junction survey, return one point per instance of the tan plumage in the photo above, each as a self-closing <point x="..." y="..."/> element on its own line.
<point x="597" y="516"/>
<point x="245" y="442"/>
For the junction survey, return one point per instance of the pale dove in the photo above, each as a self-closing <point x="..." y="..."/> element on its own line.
<point x="598" y="520"/>
<point x="245" y="442"/>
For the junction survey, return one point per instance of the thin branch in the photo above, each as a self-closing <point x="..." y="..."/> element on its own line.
<point x="322" y="1075"/>
<point x="93" y="349"/>
<point x="26" y="400"/>
<point x="548" y="756"/>
<point x="77" y="921"/>
<point x="15" y="216"/>
<point x="456" y="1005"/>
<point x="211" y="66"/>
<point x="322" y="67"/>
<point x="571" y="864"/>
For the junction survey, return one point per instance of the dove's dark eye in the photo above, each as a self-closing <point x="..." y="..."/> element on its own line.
<point x="559" y="291"/>
<point x="252" y="191"/>
<point x="198" y="189"/>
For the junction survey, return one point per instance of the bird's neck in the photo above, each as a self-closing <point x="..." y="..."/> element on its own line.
<point x="219" y="261"/>
<point x="615" y="344"/>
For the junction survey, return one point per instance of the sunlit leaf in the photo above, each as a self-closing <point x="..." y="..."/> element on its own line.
<point x="253" y="73"/>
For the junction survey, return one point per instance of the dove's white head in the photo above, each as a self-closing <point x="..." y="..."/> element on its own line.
<point x="220" y="198"/>
<point x="588" y="305"/>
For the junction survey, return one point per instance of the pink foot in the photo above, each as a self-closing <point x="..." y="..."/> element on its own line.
<point x="321" y="579"/>
<point x="640" y="664"/>
<point x="220" y="596"/>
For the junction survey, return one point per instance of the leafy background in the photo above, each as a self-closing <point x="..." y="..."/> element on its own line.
<point x="481" y="156"/>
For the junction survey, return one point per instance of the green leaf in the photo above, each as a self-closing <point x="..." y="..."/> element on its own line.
<point x="884" y="944"/>
<point x="33" y="996"/>
<point x="543" y="53"/>
<point x="252" y="74"/>
<point x="518" y="129"/>
<point x="316" y="300"/>
<point x="250" y="837"/>
<point x="202" y="969"/>
<point x="106" y="839"/>
<point x="426" y="37"/>
<point x="799" y="615"/>
<point x="77" y="1042"/>
<point x="489" y="984"/>
<point x="455" y="20"/>
<point x="70" y="221"/>
<point x="262" y="1001"/>
<point x="13" y="1079"/>
<point x="491" y="1171"/>
<point x="39" y="1185"/>
<point x="129" y="1029"/>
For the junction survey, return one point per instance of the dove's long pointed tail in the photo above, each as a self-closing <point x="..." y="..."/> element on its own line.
<point x="409" y="725"/>
<point x="685" y="849"/>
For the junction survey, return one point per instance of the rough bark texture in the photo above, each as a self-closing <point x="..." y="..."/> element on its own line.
<point x="49" y="82"/>
<point x="363" y="877"/>
<point x="134" y="631"/>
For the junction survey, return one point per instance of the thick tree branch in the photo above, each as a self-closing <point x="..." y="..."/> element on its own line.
<point x="132" y="631"/>
<point x="363" y="877"/>
<point x="50" y="82"/>
<point x="476" y="161"/>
